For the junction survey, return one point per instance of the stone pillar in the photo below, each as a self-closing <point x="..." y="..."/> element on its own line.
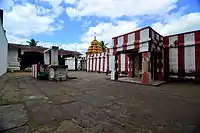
<point x="46" y="58"/>
<point x="54" y="55"/>
<point x="114" y="73"/>
<point x="146" y="74"/>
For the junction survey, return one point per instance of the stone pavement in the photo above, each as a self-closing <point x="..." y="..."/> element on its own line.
<point x="93" y="104"/>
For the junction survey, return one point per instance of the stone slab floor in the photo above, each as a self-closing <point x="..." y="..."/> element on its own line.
<point x="93" y="104"/>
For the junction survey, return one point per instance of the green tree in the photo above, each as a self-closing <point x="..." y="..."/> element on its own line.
<point x="32" y="42"/>
<point x="103" y="46"/>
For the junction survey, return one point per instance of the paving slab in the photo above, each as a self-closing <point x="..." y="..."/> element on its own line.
<point x="50" y="88"/>
<point x="63" y="99"/>
<point x="23" y="129"/>
<point x="10" y="92"/>
<point x="12" y="116"/>
<point x="69" y="127"/>
<point x="93" y="104"/>
<point x="68" y="90"/>
<point x="95" y="101"/>
<point x="46" y="128"/>
<point x="78" y="112"/>
<point x="111" y="127"/>
<point x="43" y="111"/>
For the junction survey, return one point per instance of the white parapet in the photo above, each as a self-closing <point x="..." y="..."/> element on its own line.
<point x="113" y="71"/>
<point x="70" y="61"/>
<point x="58" y="72"/>
<point x="51" y="53"/>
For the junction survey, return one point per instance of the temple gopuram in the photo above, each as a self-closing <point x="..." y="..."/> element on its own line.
<point x="94" y="47"/>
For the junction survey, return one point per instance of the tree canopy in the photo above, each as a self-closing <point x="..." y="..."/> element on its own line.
<point x="32" y="42"/>
<point x="103" y="46"/>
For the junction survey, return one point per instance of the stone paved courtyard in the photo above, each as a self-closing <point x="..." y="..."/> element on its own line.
<point x="93" y="104"/>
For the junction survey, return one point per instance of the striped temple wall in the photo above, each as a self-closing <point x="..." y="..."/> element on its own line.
<point x="174" y="54"/>
<point x="101" y="62"/>
<point x="182" y="54"/>
<point x="146" y="41"/>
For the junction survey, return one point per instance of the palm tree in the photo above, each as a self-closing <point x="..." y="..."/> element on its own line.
<point x="103" y="46"/>
<point x="32" y="42"/>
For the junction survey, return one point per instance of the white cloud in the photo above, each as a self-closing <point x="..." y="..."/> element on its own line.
<point x="80" y="47"/>
<point x="119" y="8"/>
<point x="105" y="31"/>
<point x="24" y="21"/>
<point x="178" y="24"/>
<point x="73" y="46"/>
<point x="55" y="4"/>
<point x="70" y="1"/>
<point x="42" y="11"/>
<point x="30" y="19"/>
<point x="15" y="39"/>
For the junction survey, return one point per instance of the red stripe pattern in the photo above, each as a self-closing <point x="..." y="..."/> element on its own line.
<point x="172" y="53"/>
<point x="181" y="54"/>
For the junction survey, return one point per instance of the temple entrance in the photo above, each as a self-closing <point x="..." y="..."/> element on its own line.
<point x="61" y="60"/>
<point x="133" y="67"/>
<point x="30" y="58"/>
<point x="156" y="65"/>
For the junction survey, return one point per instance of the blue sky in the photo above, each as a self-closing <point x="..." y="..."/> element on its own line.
<point x="71" y="24"/>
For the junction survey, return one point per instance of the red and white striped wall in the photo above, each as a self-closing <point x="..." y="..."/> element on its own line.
<point x="99" y="62"/>
<point x="181" y="56"/>
<point x="142" y="40"/>
<point x="35" y="70"/>
<point x="139" y="39"/>
<point x="182" y="53"/>
<point x="123" y="61"/>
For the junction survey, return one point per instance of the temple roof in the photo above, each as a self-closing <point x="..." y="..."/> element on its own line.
<point x="94" y="47"/>
<point x="40" y="49"/>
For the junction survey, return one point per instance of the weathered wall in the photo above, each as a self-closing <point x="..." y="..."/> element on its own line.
<point x="3" y="50"/>
<point x="180" y="60"/>
<point x="142" y="40"/>
<point x="182" y="54"/>
<point x="82" y="64"/>
<point x="46" y="58"/>
<point x="134" y="40"/>
<point x="13" y="63"/>
<point x="54" y="55"/>
<point x="100" y="62"/>
<point x="71" y="63"/>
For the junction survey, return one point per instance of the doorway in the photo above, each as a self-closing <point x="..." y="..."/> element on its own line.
<point x="30" y="58"/>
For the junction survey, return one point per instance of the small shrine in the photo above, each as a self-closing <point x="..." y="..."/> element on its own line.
<point x="94" y="47"/>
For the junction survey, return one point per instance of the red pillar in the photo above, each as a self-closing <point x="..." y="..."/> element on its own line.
<point x="146" y="74"/>
<point x="130" y="66"/>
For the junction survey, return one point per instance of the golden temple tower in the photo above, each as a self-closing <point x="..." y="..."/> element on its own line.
<point x="94" y="47"/>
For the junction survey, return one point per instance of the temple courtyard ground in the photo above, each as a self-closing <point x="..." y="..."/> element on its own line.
<point x="94" y="104"/>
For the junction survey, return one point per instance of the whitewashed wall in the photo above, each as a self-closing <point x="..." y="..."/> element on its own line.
<point x="54" y="56"/>
<point x="3" y="51"/>
<point x="71" y="63"/>
<point x="13" y="63"/>
<point x="46" y="58"/>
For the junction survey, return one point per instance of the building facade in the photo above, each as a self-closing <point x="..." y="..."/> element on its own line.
<point x="182" y="54"/>
<point x="23" y="56"/>
<point x="3" y="47"/>
<point x="148" y="56"/>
